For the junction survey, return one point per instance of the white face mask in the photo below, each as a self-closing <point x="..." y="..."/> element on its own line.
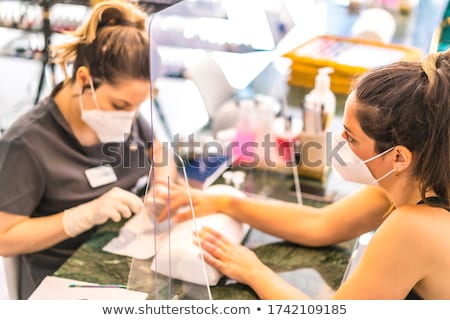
<point x="110" y="126"/>
<point x="352" y="168"/>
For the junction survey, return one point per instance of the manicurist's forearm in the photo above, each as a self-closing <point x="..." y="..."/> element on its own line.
<point x="32" y="235"/>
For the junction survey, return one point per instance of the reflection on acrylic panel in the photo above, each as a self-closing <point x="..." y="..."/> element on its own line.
<point x="233" y="41"/>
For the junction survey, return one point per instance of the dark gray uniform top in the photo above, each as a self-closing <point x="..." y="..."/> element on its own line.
<point x="42" y="172"/>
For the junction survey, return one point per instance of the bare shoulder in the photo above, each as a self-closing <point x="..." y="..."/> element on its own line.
<point x="416" y="234"/>
<point x="405" y="253"/>
<point x="417" y="221"/>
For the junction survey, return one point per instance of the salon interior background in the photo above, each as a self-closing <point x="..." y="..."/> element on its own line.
<point x="20" y="75"/>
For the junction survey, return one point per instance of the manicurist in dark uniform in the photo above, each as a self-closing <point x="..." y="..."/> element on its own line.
<point x="67" y="166"/>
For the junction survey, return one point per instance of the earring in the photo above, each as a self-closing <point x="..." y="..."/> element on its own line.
<point x="396" y="173"/>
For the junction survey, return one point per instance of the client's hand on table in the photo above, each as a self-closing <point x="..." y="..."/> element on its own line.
<point x="204" y="203"/>
<point x="233" y="260"/>
<point x="174" y="252"/>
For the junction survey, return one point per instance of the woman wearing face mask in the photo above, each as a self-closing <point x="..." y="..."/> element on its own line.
<point x="67" y="165"/>
<point x="395" y="140"/>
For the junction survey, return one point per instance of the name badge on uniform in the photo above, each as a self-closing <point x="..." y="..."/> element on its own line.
<point x="100" y="176"/>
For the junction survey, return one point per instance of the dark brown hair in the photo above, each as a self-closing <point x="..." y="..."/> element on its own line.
<point x="113" y="44"/>
<point x="401" y="104"/>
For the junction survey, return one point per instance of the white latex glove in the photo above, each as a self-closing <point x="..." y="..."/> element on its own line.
<point x="115" y="204"/>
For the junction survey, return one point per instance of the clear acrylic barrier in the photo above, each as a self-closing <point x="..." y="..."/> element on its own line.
<point x="176" y="268"/>
<point x="174" y="255"/>
<point x="155" y="274"/>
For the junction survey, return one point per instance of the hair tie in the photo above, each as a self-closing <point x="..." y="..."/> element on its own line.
<point x="117" y="22"/>
<point x="128" y="23"/>
<point x="429" y="66"/>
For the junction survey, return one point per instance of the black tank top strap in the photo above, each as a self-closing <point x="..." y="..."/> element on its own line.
<point x="437" y="200"/>
<point x="412" y="295"/>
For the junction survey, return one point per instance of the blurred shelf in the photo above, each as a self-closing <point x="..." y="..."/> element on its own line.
<point x="35" y="23"/>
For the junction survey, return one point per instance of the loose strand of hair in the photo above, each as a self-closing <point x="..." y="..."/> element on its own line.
<point x="65" y="53"/>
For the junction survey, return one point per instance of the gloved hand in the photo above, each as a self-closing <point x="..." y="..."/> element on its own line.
<point x="114" y="204"/>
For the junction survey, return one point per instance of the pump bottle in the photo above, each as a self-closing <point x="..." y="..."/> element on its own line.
<point x="322" y="100"/>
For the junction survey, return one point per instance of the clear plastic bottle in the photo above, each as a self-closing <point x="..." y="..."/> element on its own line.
<point x="323" y="98"/>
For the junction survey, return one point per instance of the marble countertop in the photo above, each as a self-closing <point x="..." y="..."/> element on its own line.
<point x="316" y="271"/>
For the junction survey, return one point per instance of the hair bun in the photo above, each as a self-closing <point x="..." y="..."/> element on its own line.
<point x="110" y="17"/>
<point x="114" y="17"/>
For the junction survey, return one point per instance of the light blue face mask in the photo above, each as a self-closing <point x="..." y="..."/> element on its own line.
<point x="351" y="168"/>
<point x="110" y="126"/>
